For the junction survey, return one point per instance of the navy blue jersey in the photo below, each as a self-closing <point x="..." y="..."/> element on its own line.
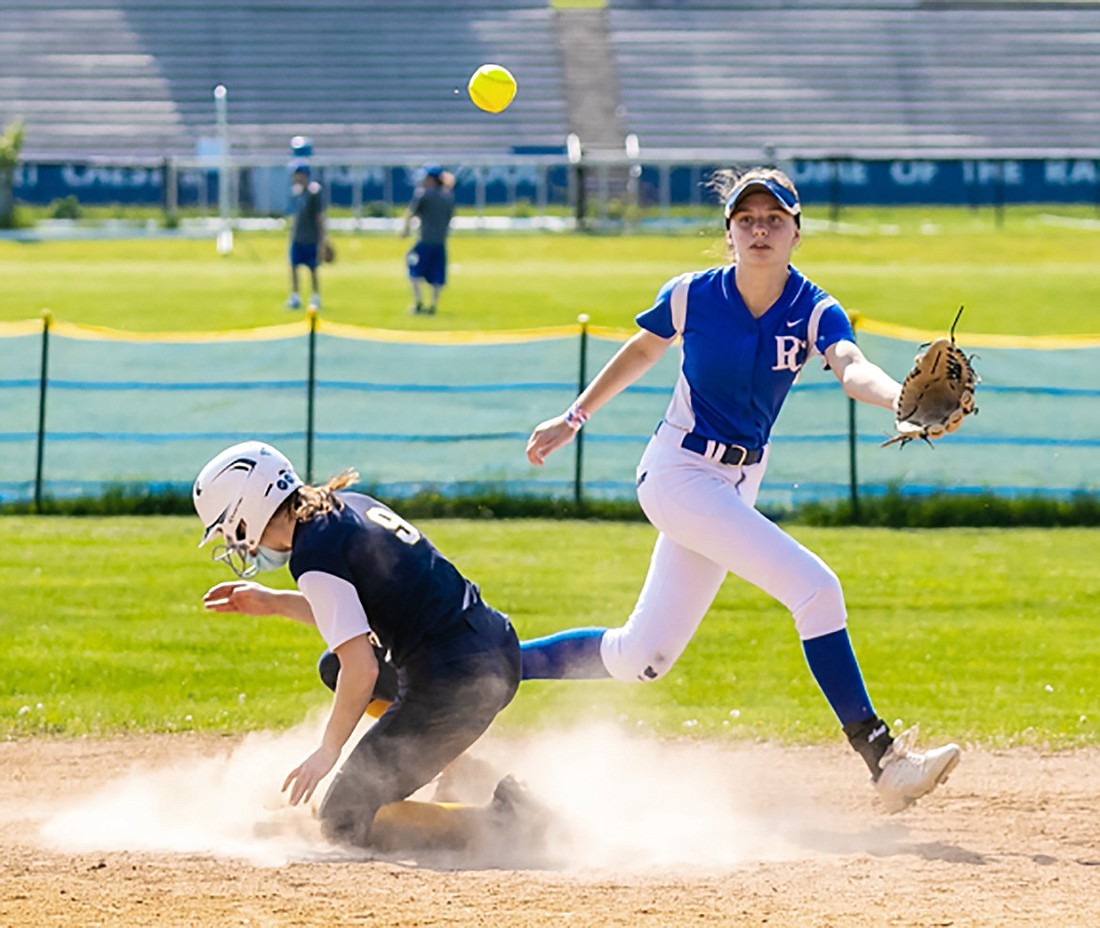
<point x="736" y="370"/>
<point x="407" y="589"/>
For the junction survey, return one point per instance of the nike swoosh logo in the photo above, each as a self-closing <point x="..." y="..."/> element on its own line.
<point x="791" y="325"/>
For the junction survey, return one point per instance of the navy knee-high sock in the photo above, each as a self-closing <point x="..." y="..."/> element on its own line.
<point x="833" y="664"/>
<point x="568" y="655"/>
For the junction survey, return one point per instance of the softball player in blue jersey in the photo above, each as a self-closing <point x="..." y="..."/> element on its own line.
<point x="370" y="583"/>
<point x="746" y="330"/>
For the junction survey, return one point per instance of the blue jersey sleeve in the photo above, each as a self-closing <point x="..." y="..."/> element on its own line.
<point x="833" y="327"/>
<point x="658" y="318"/>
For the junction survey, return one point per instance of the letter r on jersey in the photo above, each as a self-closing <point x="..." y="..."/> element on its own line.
<point x="786" y="352"/>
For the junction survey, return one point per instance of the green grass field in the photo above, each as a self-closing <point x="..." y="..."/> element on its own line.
<point x="907" y="266"/>
<point x="987" y="636"/>
<point x="982" y="635"/>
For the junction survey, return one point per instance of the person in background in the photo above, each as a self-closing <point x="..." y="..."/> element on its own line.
<point x="307" y="233"/>
<point x="433" y="205"/>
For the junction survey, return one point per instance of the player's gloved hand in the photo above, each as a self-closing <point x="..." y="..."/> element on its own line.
<point x="937" y="393"/>
<point x="547" y="437"/>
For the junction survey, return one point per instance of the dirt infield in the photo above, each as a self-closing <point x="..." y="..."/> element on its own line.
<point x="154" y="831"/>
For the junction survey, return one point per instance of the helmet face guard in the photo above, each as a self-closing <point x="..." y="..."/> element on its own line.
<point x="237" y="558"/>
<point x="236" y="494"/>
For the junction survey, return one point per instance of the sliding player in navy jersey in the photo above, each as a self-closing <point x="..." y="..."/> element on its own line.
<point x="370" y="583"/>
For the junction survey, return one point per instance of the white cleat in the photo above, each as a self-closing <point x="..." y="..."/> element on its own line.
<point x="908" y="775"/>
<point x="294" y="301"/>
<point x="315" y="301"/>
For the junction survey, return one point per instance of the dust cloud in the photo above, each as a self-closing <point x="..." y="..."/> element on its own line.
<point x="228" y="805"/>
<point x="632" y="803"/>
<point x="614" y="801"/>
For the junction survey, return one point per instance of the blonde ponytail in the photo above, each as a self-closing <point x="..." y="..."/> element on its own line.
<point x="307" y="502"/>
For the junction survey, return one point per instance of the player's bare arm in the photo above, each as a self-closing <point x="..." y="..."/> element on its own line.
<point x="249" y="598"/>
<point x="862" y="379"/>
<point x="354" y="686"/>
<point x="628" y="365"/>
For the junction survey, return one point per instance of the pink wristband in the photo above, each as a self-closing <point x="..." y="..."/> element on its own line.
<point x="575" y="417"/>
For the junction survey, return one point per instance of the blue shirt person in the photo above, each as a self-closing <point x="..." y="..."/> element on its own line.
<point x="432" y="207"/>
<point x="746" y="330"/>
<point x="307" y="232"/>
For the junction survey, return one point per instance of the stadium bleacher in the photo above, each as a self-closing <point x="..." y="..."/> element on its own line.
<point x="134" y="78"/>
<point x="821" y="78"/>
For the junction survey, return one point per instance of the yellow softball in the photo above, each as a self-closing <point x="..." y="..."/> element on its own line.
<point x="492" y="88"/>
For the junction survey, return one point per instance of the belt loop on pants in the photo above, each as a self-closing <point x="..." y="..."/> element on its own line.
<point x="734" y="455"/>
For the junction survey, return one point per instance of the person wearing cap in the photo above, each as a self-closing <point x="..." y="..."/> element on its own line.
<point x="307" y="232"/>
<point x="433" y="205"/>
<point x="746" y="330"/>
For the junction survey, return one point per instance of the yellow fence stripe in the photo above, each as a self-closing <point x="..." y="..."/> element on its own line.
<point x="19" y="329"/>
<point x="497" y="337"/>
<point x="502" y="336"/>
<point x="325" y="327"/>
<point x="604" y="331"/>
<point x="968" y="340"/>
<point x="472" y="337"/>
<point x="103" y="333"/>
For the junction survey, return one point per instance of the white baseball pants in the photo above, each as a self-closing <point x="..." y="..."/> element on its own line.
<point x="708" y="528"/>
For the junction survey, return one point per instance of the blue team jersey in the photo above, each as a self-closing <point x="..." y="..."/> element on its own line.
<point x="736" y="370"/>
<point x="409" y="591"/>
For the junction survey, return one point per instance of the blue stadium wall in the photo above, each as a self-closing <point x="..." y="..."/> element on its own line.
<point x="851" y="182"/>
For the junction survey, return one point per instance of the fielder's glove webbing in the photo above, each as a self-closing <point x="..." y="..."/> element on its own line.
<point x="937" y="394"/>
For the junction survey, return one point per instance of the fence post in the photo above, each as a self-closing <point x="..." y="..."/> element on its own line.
<point x="999" y="196"/>
<point x="582" y="382"/>
<point x="311" y="383"/>
<point x="170" y="194"/>
<point x="853" y="477"/>
<point x="834" y="193"/>
<point x="43" y="380"/>
<point x="1096" y="174"/>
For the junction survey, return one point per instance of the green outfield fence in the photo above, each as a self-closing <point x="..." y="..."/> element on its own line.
<point x="85" y="408"/>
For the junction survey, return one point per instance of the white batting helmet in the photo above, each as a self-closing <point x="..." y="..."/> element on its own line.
<point x="238" y="491"/>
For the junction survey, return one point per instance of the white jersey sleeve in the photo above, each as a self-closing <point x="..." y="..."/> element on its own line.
<point x="828" y="325"/>
<point x="665" y="318"/>
<point x="337" y="611"/>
